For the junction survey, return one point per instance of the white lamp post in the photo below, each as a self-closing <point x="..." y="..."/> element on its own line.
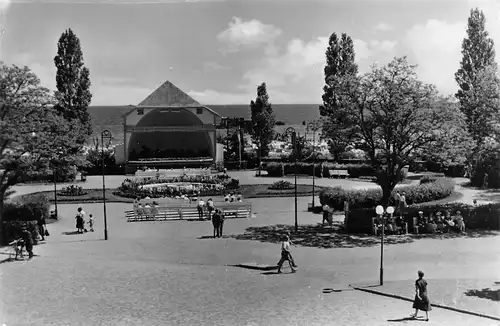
<point x="380" y="212"/>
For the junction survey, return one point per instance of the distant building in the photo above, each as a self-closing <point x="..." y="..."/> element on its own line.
<point x="167" y="129"/>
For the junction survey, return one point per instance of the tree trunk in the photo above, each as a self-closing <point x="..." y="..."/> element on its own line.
<point x="2" y="194"/>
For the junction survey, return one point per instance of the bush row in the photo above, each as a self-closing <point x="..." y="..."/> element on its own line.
<point x="355" y="170"/>
<point x="369" y="198"/>
<point x="482" y="217"/>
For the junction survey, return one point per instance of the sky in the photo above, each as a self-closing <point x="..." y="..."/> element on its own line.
<point x="219" y="51"/>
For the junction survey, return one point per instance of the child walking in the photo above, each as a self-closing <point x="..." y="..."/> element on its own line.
<point x="91" y="223"/>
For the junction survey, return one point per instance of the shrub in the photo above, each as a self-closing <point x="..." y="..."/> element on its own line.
<point x="482" y="217"/>
<point x="369" y="198"/>
<point x="275" y="169"/>
<point x="72" y="190"/>
<point x="428" y="179"/>
<point x="455" y="170"/>
<point x="282" y="185"/>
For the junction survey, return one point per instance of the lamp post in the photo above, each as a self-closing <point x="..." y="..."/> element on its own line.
<point x="291" y="131"/>
<point x="105" y="134"/>
<point x="314" y="126"/>
<point x="380" y="212"/>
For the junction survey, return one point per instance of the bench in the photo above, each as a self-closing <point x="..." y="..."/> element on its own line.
<point x="376" y="229"/>
<point x="187" y="212"/>
<point x="338" y="173"/>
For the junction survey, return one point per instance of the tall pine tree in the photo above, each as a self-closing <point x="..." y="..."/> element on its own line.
<point x="478" y="55"/>
<point x="340" y="67"/>
<point x="73" y="83"/>
<point x="263" y="121"/>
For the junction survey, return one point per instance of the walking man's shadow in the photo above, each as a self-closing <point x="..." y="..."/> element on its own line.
<point x="405" y="319"/>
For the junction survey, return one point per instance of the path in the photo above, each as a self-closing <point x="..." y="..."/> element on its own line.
<point x="162" y="273"/>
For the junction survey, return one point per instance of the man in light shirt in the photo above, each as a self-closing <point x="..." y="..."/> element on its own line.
<point x="326" y="211"/>
<point x="285" y="254"/>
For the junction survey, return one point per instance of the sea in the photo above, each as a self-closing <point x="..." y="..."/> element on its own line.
<point x="111" y="117"/>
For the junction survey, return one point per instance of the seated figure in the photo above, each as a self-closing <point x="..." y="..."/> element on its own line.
<point x="439" y="222"/>
<point x="431" y="226"/>
<point x="448" y="222"/>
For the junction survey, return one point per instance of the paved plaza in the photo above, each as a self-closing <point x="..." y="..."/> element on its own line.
<point x="174" y="273"/>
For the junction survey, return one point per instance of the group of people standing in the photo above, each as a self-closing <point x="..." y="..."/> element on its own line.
<point x="80" y="221"/>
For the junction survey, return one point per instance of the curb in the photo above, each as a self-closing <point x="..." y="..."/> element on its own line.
<point x="395" y="296"/>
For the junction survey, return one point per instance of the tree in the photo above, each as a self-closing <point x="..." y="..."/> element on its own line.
<point x="478" y="54"/>
<point x="32" y="135"/>
<point x="396" y="118"/>
<point x="340" y="65"/>
<point x="263" y="121"/>
<point x="73" y="83"/>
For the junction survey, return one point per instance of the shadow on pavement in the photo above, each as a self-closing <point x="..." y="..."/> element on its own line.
<point x="317" y="236"/>
<point x="255" y="267"/>
<point x="487" y="293"/>
<point x="405" y="319"/>
<point x="467" y="234"/>
<point x="71" y="233"/>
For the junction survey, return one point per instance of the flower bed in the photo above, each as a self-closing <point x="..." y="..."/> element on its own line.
<point x="369" y="198"/>
<point x="211" y="185"/>
<point x="282" y="185"/>
<point x="72" y="190"/>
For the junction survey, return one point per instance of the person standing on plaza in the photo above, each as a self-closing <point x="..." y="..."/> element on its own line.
<point x="326" y="210"/>
<point x="42" y="227"/>
<point x="28" y="241"/>
<point x="285" y="254"/>
<point x="80" y="220"/>
<point x="397" y="200"/>
<point x="210" y="207"/>
<point x="221" y="222"/>
<point x="421" y="301"/>
<point x="402" y="203"/>
<point x="216" y="220"/>
<point x="91" y="223"/>
<point x="201" y="205"/>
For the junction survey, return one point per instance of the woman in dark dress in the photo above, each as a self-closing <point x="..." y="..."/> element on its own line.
<point x="421" y="301"/>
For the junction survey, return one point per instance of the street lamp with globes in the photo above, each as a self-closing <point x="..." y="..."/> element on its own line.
<point x="380" y="212"/>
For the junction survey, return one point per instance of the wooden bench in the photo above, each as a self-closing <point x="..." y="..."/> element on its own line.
<point x="338" y="173"/>
<point x="187" y="212"/>
<point x="376" y="229"/>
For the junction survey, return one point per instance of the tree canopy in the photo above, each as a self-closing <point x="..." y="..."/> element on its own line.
<point x="475" y="79"/>
<point x="32" y="134"/>
<point x="340" y="64"/>
<point x="263" y="121"/>
<point x="73" y="83"/>
<point x="396" y="118"/>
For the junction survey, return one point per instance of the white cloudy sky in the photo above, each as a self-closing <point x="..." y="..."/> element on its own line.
<point x="219" y="51"/>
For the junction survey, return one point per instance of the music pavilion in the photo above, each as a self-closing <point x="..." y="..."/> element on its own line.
<point x="169" y="129"/>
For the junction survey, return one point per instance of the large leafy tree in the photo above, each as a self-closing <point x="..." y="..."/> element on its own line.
<point x="340" y="65"/>
<point x="33" y="137"/>
<point x="475" y="72"/>
<point x="396" y="118"/>
<point x="263" y="121"/>
<point x="73" y="83"/>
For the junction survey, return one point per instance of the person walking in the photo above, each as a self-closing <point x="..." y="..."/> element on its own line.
<point x="421" y="301"/>
<point x="285" y="254"/>
<point x="41" y="227"/>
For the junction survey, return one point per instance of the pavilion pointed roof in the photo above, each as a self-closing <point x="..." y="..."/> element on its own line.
<point x="168" y="95"/>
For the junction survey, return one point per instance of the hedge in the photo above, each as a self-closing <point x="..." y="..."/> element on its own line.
<point x="369" y="198"/>
<point x="355" y="170"/>
<point x="482" y="217"/>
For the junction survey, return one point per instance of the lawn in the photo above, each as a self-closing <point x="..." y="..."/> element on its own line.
<point x="248" y="191"/>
